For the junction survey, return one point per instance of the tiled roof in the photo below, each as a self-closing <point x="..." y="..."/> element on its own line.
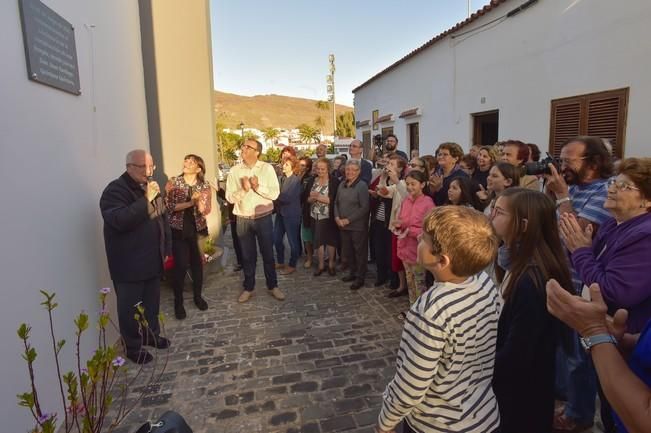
<point x="385" y="118"/>
<point x="474" y="17"/>
<point x="363" y="123"/>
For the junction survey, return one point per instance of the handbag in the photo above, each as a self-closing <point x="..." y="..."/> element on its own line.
<point x="169" y="422"/>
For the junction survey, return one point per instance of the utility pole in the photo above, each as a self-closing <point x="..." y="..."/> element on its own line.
<point x="469" y="7"/>
<point x="330" y="79"/>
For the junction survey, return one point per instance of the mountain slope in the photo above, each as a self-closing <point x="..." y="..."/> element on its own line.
<point x="262" y="111"/>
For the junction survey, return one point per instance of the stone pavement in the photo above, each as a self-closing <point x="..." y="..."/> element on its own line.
<point x="317" y="362"/>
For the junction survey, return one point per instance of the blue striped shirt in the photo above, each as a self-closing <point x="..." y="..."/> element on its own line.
<point x="445" y="361"/>
<point x="588" y="203"/>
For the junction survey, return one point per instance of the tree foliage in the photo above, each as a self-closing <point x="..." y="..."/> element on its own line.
<point x="271" y="135"/>
<point x="228" y="143"/>
<point x="346" y="124"/>
<point x="308" y="134"/>
<point x="272" y="155"/>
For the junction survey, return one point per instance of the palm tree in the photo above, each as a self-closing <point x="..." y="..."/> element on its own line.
<point x="322" y="105"/>
<point x="308" y="134"/>
<point x="270" y="134"/>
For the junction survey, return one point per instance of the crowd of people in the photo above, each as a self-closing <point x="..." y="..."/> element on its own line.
<point x="527" y="281"/>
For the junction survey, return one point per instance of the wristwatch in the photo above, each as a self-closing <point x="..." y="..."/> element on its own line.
<point x="560" y="201"/>
<point x="593" y="340"/>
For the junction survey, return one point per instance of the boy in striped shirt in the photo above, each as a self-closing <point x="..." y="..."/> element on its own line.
<point x="446" y="356"/>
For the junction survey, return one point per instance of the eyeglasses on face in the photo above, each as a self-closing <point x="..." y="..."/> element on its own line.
<point x="443" y="154"/>
<point x="568" y="161"/>
<point x="621" y="185"/>
<point x="142" y="166"/>
<point x="250" y="147"/>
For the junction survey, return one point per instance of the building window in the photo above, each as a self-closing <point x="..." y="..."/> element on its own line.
<point x="386" y="131"/>
<point x="601" y="114"/>
<point x="412" y="130"/>
<point x="374" y="117"/>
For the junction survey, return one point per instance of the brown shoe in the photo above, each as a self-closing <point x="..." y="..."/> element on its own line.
<point x="280" y="266"/>
<point x="276" y="293"/>
<point x="288" y="270"/>
<point x="244" y="296"/>
<point x="307" y="264"/>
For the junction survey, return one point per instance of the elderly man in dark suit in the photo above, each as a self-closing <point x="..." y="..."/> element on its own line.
<point x="136" y="246"/>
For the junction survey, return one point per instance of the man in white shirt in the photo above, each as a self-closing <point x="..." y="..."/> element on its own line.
<point x="251" y="187"/>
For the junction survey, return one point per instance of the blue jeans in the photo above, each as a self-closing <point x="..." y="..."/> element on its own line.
<point x="289" y="225"/>
<point x="248" y="230"/>
<point x="576" y="380"/>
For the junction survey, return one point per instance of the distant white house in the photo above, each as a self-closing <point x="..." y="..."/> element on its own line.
<point x="539" y="71"/>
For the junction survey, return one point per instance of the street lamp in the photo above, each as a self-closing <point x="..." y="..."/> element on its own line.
<point x="242" y="129"/>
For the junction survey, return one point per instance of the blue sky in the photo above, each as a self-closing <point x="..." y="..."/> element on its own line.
<point x="282" y="46"/>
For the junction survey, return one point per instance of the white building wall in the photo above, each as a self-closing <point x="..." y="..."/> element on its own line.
<point x="552" y="50"/>
<point x="57" y="153"/>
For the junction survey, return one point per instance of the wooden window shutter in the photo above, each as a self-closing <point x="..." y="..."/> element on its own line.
<point x="565" y="123"/>
<point x="606" y="118"/>
<point x="601" y="114"/>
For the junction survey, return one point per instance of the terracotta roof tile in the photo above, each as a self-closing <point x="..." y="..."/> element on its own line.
<point x="385" y="118"/>
<point x="409" y="113"/>
<point x="474" y="17"/>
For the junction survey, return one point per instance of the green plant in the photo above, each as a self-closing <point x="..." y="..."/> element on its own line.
<point x="88" y="393"/>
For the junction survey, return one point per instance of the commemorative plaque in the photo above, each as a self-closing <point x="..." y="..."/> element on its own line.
<point x="50" y="50"/>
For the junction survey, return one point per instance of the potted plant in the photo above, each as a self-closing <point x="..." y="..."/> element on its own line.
<point x="95" y="393"/>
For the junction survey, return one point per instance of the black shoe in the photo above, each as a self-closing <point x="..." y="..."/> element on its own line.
<point x="318" y="272"/>
<point x="379" y="283"/>
<point x="397" y="293"/>
<point x="140" y="356"/>
<point x="237" y="268"/>
<point x="200" y="303"/>
<point x="356" y="285"/>
<point x="332" y="272"/>
<point x="179" y="311"/>
<point x="158" y="342"/>
<point x="349" y="278"/>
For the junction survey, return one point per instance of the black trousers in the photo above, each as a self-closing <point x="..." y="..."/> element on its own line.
<point x="354" y="249"/>
<point x="186" y="255"/>
<point x="248" y="231"/>
<point x="129" y="295"/>
<point x="236" y="242"/>
<point x="382" y="237"/>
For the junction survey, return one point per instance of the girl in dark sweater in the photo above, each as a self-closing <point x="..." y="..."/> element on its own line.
<point x="527" y="336"/>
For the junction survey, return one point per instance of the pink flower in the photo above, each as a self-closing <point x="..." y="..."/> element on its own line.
<point x="105" y="290"/>
<point x="118" y="362"/>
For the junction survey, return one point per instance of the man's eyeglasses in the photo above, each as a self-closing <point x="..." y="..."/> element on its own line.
<point x="142" y="166"/>
<point x="250" y="147"/>
<point x="621" y="185"/>
<point x="568" y="161"/>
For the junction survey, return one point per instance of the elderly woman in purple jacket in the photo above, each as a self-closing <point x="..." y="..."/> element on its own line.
<point x="618" y="257"/>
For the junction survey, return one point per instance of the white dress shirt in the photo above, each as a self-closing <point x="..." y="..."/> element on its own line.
<point x="252" y="203"/>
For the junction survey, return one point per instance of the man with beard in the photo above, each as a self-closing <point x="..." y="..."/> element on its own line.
<point x="391" y="147"/>
<point x="580" y="188"/>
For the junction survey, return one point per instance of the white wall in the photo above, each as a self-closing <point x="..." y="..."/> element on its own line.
<point x="56" y="156"/>
<point x="552" y="50"/>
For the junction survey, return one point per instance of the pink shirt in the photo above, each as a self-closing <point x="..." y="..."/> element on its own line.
<point x="412" y="213"/>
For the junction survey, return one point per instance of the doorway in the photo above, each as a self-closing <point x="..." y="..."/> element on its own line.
<point x="485" y="128"/>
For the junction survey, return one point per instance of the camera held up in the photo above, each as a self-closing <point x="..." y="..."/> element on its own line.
<point x="542" y="166"/>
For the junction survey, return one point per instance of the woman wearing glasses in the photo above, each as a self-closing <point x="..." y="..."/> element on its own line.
<point x="618" y="258"/>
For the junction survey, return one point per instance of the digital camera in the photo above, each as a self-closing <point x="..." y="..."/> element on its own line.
<point x="542" y="166"/>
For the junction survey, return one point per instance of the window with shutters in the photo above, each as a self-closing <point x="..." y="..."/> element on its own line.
<point x="601" y="114"/>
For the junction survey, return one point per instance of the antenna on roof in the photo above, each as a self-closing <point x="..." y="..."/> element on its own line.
<point x="469" y="7"/>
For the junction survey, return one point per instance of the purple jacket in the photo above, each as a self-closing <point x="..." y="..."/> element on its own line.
<point x="619" y="261"/>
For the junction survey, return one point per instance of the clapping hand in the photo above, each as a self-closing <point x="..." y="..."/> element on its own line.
<point x="254" y="182"/>
<point x="436" y="182"/>
<point x="588" y="318"/>
<point x="246" y="183"/>
<point x="482" y="194"/>
<point x="573" y="236"/>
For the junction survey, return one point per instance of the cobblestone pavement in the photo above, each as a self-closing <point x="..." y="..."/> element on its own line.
<point x="317" y="362"/>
